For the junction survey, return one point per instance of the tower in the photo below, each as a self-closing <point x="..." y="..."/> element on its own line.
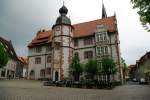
<point x="62" y="45"/>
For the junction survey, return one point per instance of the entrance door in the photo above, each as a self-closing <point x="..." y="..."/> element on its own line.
<point x="32" y="75"/>
<point x="56" y="76"/>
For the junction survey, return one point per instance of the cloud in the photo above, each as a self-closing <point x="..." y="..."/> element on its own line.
<point x="21" y="19"/>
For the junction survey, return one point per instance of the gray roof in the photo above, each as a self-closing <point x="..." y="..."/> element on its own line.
<point x="63" y="19"/>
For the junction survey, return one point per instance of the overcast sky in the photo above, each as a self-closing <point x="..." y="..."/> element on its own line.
<point x="21" y="19"/>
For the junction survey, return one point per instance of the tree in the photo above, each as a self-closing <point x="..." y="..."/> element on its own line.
<point x="3" y="57"/>
<point x="108" y="67"/>
<point x="144" y="11"/>
<point x="76" y="68"/>
<point x="91" y="68"/>
<point x="124" y="69"/>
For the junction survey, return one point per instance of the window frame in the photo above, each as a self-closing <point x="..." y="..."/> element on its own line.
<point x="76" y="42"/>
<point x="88" y="41"/>
<point x="88" y="54"/>
<point x="38" y="49"/>
<point x="38" y="60"/>
<point x="49" y="59"/>
<point x="42" y="72"/>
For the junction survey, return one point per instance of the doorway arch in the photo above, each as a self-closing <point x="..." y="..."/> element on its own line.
<point x="32" y="74"/>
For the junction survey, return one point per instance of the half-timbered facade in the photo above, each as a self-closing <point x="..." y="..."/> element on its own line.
<point x="50" y="52"/>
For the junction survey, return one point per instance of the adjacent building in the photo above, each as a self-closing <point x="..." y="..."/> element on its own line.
<point x="10" y="69"/>
<point x="50" y="52"/>
<point x="21" y="69"/>
<point x="13" y="67"/>
<point x="133" y="72"/>
<point x="141" y="69"/>
<point x="143" y="66"/>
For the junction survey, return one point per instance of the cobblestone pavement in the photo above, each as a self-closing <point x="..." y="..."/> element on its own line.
<point x="33" y="90"/>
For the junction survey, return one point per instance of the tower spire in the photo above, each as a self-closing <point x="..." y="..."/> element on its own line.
<point x="104" y="14"/>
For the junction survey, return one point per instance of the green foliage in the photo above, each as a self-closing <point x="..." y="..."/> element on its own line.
<point x="91" y="67"/>
<point x="109" y="67"/>
<point x="76" y="67"/>
<point x="124" y="63"/>
<point x="125" y="68"/>
<point x="3" y="57"/>
<point x="144" y="11"/>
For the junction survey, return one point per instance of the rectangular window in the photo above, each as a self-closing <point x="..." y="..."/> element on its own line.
<point x="97" y="38"/>
<point x="88" y="54"/>
<point x="101" y="37"/>
<point x="75" y="42"/>
<point x="105" y="37"/>
<point x="38" y="49"/>
<point x="48" y="48"/>
<point x="49" y="59"/>
<point x="76" y="54"/>
<point x="42" y="72"/>
<point x="38" y="60"/>
<point x="102" y="50"/>
<point x="98" y="50"/>
<point x="88" y="41"/>
<point x="48" y="71"/>
<point x="106" y="50"/>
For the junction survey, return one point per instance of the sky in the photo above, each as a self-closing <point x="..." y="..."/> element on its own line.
<point x="21" y="19"/>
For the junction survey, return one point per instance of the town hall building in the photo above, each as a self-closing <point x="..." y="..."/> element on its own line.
<point x="51" y="51"/>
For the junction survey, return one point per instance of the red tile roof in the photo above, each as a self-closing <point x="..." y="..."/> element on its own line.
<point x="88" y="28"/>
<point x="23" y="60"/>
<point x="80" y="30"/>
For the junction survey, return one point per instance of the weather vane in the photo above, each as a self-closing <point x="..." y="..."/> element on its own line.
<point x="63" y="2"/>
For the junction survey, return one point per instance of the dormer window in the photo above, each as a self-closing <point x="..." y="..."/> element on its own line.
<point x="100" y="37"/>
<point x="38" y="49"/>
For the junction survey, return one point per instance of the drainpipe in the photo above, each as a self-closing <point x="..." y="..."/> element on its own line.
<point x="45" y="65"/>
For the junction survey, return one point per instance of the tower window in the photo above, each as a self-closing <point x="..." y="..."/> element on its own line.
<point x="57" y="28"/>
